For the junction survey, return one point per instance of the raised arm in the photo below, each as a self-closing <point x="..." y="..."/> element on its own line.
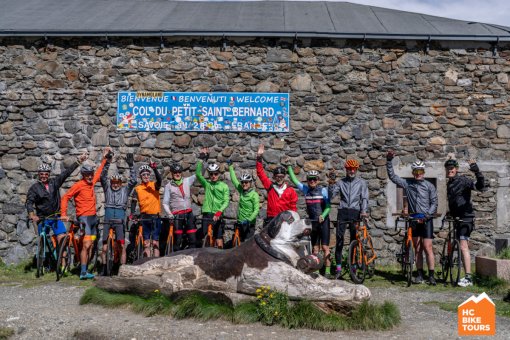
<point x="294" y="180"/>
<point x="261" y="174"/>
<point x="391" y="172"/>
<point x="480" y="180"/>
<point x="234" y="179"/>
<point x="104" y="175"/>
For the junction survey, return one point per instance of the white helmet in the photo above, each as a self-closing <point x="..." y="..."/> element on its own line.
<point x="246" y="177"/>
<point x="116" y="178"/>
<point x="144" y="168"/>
<point x="312" y="174"/>
<point x="44" y="168"/>
<point x="418" y="165"/>
<point x="213" y="167"/>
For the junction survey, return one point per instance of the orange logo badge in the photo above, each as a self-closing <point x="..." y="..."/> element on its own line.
<point x="477" y="316"/>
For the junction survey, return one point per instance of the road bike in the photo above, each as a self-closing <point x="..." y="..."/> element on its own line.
<point x="171" y="245"/>
<point x="406" y="256"/>
<point x="112" y="256"/>
<point x="361" y="254"/>
<point x="139" y="250"/>
<point x="47" y="248"/>
<point x="209" y="239"/>
<point x="450" y="257"/>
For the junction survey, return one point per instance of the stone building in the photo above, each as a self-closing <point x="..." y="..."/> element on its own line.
<point x="361" y="80"/>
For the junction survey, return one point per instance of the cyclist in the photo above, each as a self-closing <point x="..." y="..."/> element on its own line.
<point x="318" y="207"/>
<point x="458" y="190"/>
<point x="177" y="202"/>
<point x="422" y="200"/>
<point x="85" y="203"/>
<point x="280" y="196"/>
<point x="353" y="192"/>
<point x="115" y="201"/>
<point x="217" y="197"/>
<point x="249" y="202"/>
<point x="147" y="196"/>
<point x="43" y="198"/>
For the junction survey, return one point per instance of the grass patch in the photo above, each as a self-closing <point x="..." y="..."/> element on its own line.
<point x="6" y="332"/>
<point x="504" y="254"/>
<point x="301" y="314"/>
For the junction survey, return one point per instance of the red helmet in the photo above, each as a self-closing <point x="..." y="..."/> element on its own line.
<point x="352" y="163"/>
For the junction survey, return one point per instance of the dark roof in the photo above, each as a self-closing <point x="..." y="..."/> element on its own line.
<point x="232" y="18"/>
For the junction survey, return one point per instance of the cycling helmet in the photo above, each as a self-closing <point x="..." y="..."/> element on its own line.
<point x="87" y="169"/>
<point x="246" y="177"/>
<point x="312" y="174"/>
<point x="418" y="165"/>
<point x="352" y="163"/>
<point x="144" y="168"/>
<point x="175" y="167"/>
<point x="279" y="170"/>
<point x="116" y="178"/>
<point x="44" y="168"/>
<point x="213" y="167"/>
<point x="451" y="162"/>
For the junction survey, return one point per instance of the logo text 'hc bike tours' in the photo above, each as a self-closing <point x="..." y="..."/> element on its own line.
<point x="477" y="316"/>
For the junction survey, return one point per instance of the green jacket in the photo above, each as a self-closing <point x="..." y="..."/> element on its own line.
<point x="249" y="201"/>
<point x="217" y="194"/>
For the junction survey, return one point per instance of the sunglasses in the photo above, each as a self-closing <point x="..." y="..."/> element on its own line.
<point x="450" y="168"/>
<point x="279" y="176"/>
<point x="418" y="172"/>
<point x="312" y="179"/>
<point x="215" y="173"/>
<point x="247" y="182"/>
<point x="145" y="174"/>
<point x="351" y="169"/>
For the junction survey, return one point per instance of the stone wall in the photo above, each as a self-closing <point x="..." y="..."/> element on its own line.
<point x="59" y="100"/>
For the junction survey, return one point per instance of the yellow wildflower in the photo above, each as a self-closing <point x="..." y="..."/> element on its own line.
<point x="258" y="291"/>
<point x="156" y="291"/>
<point x="263" y="303"/>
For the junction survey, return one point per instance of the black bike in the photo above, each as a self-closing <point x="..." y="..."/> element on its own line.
<point x="450" y="257"/>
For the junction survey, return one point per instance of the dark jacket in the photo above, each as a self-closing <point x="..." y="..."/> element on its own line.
<point x="458" y="190"/>
<point x="47" y="202"/>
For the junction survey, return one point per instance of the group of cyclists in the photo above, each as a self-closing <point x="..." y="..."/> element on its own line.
<point x="43" y="200"/>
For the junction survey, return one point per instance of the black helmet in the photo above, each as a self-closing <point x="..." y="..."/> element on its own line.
<point x="87" y="169"/>
<point x="451" y="162"/>
<point x="175" y="167"/>
<point x="279" y="170"/>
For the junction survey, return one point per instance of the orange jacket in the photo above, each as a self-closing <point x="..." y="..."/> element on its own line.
<point x="148" y="198"/>
<point x="83" y="195"/>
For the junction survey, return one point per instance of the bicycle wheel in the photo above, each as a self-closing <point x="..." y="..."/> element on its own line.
<point x="110" y="255"/>
<point x="444" y="260"/>
<point x="65" y="258"/>
<point x="370" y="257"/>
<point x="456" y="266"/>
<point x="40" y="256"/>
<point x="357" y="266"/>
<point x="408" y="262"/>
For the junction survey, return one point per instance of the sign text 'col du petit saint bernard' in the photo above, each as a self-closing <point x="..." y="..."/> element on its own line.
<point x="215" y="112"/>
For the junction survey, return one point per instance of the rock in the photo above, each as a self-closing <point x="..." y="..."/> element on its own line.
<point x="10" y="162"/>
<point x="438" y="140"/>
<point x="279" y="56"/>
<point x="100" y="138"/>
<point x="7" y="128"/>
<point x="272" y="156"/>
<point x="503" y="131"/>
<point x="267" y="86"/>
<point x="217" y="65"/>
<point x="302" y="82"/>
<point x="182" y="141"/>
<point x="464" y="82"/>
<point x="408" y="60"/>
<point x="30" y="164"/>
<point x="16" y="254"/>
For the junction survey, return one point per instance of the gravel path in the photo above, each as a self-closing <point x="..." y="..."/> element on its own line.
<point x="52" y="312"/>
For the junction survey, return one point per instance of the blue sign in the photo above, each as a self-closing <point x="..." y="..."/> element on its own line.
<point x="217" y="111"/>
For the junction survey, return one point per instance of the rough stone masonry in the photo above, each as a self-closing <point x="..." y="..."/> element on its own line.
<point x="58" y="100"/>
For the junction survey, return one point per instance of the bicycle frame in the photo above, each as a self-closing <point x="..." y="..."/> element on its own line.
<point x="407" y="253"/>
<point x="49" y="246"/>
<point x="170" y="240"/>
<point x="209" y="240"/>
<point x="140" y="240"/>
<point x="364" y="239"/>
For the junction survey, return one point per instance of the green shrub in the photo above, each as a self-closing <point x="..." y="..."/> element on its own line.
<point x="273" y="306"/>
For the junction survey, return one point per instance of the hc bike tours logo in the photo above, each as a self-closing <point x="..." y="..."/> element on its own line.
<point x="477" y="316"/>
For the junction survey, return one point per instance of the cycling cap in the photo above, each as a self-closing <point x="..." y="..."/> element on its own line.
<point x="246" y="177"/>
<point x="279" y="170"/>
<point x="312" y="174"/>
<point x="144" y="168"/>
<point x="175" y="167"/>
<point x="44" y="168"/>
<point x="87" y="169"/>
<point x="451" y="162"/>
<point x="352" y="163"/>
<point x="213" y="167"/>
<point x="116" y="177"/>
<point x="418" y="165"/>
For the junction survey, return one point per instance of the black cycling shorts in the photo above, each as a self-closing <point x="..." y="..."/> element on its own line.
<point x="320" y="233"/>
<point x="424" y="230"/>
<point x="465" y="228"/>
